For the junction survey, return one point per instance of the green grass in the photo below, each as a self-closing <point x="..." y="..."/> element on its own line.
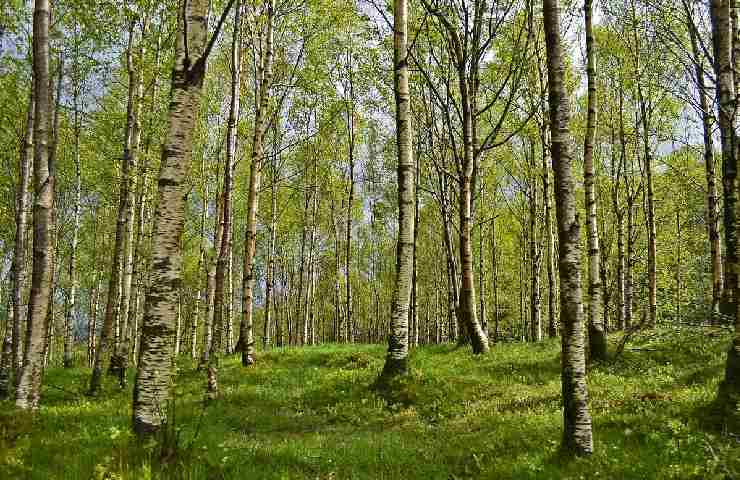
<point x="309" y="413"/>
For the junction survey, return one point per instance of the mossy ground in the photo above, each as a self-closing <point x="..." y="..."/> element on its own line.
<point x="309" y="413"/>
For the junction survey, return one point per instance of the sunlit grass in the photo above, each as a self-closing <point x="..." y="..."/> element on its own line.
<point x="309" y="413"/>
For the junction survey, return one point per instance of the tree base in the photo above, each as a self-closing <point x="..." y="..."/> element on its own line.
<point x="95" y="383"/>
<point x="727" y="312"/>
<point x="394" y="367"/>
<point x="393" y="383"/>
<point x="597" y="345"/>
<point x="247" y="359"/>
<point x="144" y="429"/>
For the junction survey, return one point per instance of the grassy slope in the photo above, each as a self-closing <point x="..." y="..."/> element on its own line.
<point x="308" y="413"/>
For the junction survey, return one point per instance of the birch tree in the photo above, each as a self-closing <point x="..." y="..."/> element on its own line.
<point x="154" y="375"/>
<point x="577" y="419"/>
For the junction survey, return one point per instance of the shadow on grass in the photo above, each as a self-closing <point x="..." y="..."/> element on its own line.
<point x="525" y="372"/>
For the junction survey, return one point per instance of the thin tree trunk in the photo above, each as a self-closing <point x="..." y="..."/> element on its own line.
<point x="552" y="309"/>
<point x="93" y="318"/>
<point x="414" y="306"/>
<point x="211" y="285"/>
<point x="308" y="313"/>
<point x="229" y="330"/>
<point x="136" y="83"/>
<point x="535" y="259"/>
<point x="112" y="319"/>
<point x="494" y="266"/>
<point x="6" y="355"/>
<point x="725" y="92"/>
<point x="466" y="313"/>
<point x="28" y="389"/>
<point x="178" y="328"/>
<point x="337" y="308"/>
<point x="140" y="270"/>
<point x="596" y="327"/>
<point x="577" y="420"/>
<point x="715" y="242"/>
<point x="629" y="280"/>
<point x="202" y="292"/>
<point x="270" y="281"/>
<point x="678" y="262"/>
<point x="20" y="269"/>
<point x="73" y="280"/>
<point x="303" y="337"/>
<point x="222" y="263"/>
<point x="55" y="96"/>
<point x="452" y="276"/>
<point x="264" y="83"/>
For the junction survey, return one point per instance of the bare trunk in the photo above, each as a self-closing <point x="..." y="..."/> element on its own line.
<point x="577" y="419"/>
<point x="396" y="362"/>
<point x="596" y="327"/>
<point x="494" y="265"/>
<point x="154" y="375"/>
<point x="202" y="267"/>
<point x="73" y="280"/>
<point x="302" y="283"/>
<point x="29" y="385"/>
<point x="725" y="92"/>
<point x="270" y="281"/>
<point x="136" y="83"/>
<point x="264" y="83"/>
<point x="552" y="311"/>
<point x="222" y="263"/>
<point x="208" y="328"/>
<point x="535" y="258"/>
<point x="466" y="311"/>
<point x="20" y="274"/>
<point x="116" y="282"/>
<point x="722" y="34"/>
<point x="715" y="242"/>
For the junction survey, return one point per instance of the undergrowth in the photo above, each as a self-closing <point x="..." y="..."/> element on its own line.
<point x="310" y="413"/>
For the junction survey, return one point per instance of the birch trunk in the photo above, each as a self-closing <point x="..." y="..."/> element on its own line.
<point x="596" y="327"/>
<point x="263" y="86"/>
<point x="396" y="361"/>
<point x="729" y="389"/>
<point x="303" y="337"/>
<point x="308" y="315"/>
<point x="201" y="266"/>
<point x="208" y="327"/>
<point x="466" y="313"/>
<point x="725" y="92"/>
<point x="270" y="281"/>
<point x="73" y="280"/>
<point x="154" y="375"/>
<point x="715" y="242"/>
<point x="552" y="310"/>
<point x="20" y="252"/>
<point x="136" y="84"/>
<point x="112" y="319"/>
<point x="577" y="420"/>
<point x="29" y="384"/>
<point x="535" y="259"/>
<point x="222" y="263"/>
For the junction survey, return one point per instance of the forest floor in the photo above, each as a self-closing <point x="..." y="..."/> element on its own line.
<point x="309" y="413"/>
